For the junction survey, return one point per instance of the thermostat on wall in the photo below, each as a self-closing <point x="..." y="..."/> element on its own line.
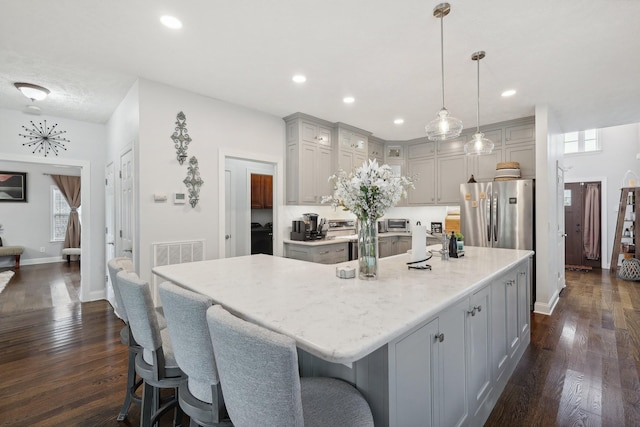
<point x="179" y="198"/>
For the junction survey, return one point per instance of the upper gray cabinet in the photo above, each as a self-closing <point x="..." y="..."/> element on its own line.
<point x="309" y="159"/>
<point x="353" y="146"/>
<point x="376" y="149"/>
<point x="316" y="149"/>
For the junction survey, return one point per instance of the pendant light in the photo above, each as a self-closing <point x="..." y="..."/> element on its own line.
<point x="443" y="127"/>
<point x="478" y="145"/>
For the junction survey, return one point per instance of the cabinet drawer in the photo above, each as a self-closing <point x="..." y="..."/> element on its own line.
<point x="422" y="149"/>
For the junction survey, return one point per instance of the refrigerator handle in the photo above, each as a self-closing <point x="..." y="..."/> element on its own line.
<point x="495" y="221"/>
<point x="488" y="216"/>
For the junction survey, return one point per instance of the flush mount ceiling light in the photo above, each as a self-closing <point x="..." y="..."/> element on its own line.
<point x="508" y="93"/>
<point x="171" y="22"/>
<point x="348" y="99"/>
<point x="444" y="126"/>
<point x="398" y="121"/>
<point x="33" y="92"/>
<point x="478" y="145"/>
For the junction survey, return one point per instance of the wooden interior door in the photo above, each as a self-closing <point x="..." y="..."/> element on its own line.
<point x="574" y="213"/>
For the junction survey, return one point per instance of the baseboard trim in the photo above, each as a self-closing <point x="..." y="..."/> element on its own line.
<point x="31" y="261"/>
<point x="546" y="308"/>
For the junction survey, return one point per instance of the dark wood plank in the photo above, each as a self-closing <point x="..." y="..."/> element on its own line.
<point x="582" y="366"/>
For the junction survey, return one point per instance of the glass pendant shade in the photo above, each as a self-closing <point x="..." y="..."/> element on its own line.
<point x="478" y="145"/>
<point x="443" y="127"/>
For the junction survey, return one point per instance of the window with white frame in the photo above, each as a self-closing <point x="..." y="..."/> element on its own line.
<point x="581" y="142"/>
<point x="60" y="211"/>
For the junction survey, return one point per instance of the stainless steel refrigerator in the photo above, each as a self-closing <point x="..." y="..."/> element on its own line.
<point x="498" y="214"/>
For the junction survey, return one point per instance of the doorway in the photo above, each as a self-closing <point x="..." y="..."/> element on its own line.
<point x="582" y="211"/>
<point x="86" y="266"/>
<point x="250" y="208"/>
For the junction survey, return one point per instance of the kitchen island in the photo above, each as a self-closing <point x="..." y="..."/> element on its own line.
<point x="425" y="347"/>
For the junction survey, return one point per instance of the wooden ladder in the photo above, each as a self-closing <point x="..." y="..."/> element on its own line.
<point x="625" y="200"/>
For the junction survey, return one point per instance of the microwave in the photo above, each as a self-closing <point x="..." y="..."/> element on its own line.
<point x="395" y="225"/>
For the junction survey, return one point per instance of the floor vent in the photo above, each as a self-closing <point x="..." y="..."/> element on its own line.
<point x="167" y="253"/>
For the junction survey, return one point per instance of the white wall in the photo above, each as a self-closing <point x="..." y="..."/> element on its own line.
<point x="548" y="157"/>
<point x="29" y="224"/>
<point x="619" y="149"/>
<point x="214" y="127"/>
<point x="85" y="150"/>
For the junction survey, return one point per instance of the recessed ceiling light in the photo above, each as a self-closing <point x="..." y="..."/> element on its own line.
<point x="509" y="92"/>
<point x="398" y="121"/>
<point x="171" y="22"/>
<point x="299" y="78"/>
<point x="348" y="99"/>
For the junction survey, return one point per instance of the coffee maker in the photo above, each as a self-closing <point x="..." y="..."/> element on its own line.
<point x="307" y="228"/>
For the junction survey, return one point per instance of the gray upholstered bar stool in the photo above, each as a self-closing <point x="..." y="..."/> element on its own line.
<point x="155" y="363"/>
<point x="259" y="376"/>
<point x="186" y="315"/>
<point x="116" y="265"/>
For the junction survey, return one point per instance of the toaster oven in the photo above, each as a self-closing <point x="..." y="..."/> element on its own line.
<point x="397" y="224"/>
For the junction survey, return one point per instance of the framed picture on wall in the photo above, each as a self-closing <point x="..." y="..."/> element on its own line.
<point x="13" y="186"/>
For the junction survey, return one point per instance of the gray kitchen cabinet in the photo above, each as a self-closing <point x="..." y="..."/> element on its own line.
<point x="479" y="339"/>
<point x="420" y="148"/>
<point x="376" y="149"/>
<point x="452" y="146"/>
<point x="353" y="147"/>
<point x="404" y="244"/>
<point x="417" y="357"/>
<point x="424" y="172"/>
<point x="525" y="155"/>
<point x="430" y="362"/>
<point x="389" y="245"/>
<point x="309" y="159"/>
<point x="385" y="247"/>
<point x="520" y="133"/>
<point x="451" y="172"/>
<point x="323" y="254"/>
<point x="511" y="326"/>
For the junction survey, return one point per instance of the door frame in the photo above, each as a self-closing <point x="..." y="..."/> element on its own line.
<point x="85" y="194"/>
<point x="604" y="239"/>
<point x="278" y="178"/>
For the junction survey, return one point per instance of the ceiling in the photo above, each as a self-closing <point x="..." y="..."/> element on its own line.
<point x="578" y="57"/>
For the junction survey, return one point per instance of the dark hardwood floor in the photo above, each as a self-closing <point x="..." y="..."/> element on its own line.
<point x="62" y="363"/>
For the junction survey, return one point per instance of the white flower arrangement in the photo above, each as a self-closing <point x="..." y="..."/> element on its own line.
<point x="369" y="191"/>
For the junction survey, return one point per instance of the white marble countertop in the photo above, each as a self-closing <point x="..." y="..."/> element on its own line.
<point x="340" y="320"/>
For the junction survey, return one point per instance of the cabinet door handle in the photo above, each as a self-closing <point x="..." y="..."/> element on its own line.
<point x="478" y="307"/>
<point x="340" y="250"/>
<point x="509" y="282"/>
<point x="439" y="337"/>
<point x="472" y="312"/>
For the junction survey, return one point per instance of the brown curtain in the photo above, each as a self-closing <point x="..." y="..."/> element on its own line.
<point x="591" y="233"/>
<point x="70" y="188"/>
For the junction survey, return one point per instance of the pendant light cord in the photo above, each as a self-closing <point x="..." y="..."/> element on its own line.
<point x="442" y="52"/>
<point x="478" y="109"/>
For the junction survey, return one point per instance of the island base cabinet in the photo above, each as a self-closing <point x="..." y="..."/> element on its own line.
<point x="427" y="381"/>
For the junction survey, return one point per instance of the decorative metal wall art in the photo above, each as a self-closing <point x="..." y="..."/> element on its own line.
<point x="44" y="139"/>
<point x="193" y="181"/>
<point x="181" y="138"/>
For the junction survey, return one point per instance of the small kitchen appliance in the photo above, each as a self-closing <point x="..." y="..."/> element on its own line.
<point x="309" y="228"/>
<point x="395" y="225"/>
<point x="382" y="226"/>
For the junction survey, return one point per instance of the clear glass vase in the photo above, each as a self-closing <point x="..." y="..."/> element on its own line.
<point x="367" y="249"/>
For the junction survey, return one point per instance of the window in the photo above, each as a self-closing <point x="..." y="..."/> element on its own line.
<point x="581" y="142"/>
<point x="59" y="215"/>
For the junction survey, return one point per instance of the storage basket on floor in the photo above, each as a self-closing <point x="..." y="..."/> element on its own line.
<point x="630" y="269"/>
